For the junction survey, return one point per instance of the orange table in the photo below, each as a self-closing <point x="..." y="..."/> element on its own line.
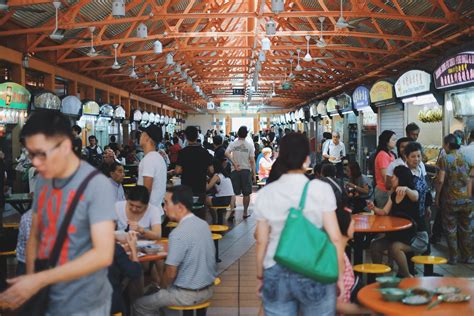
<point x="379" y="224"/>
<point x="374" y="224"/>
<point x="158" y="256"/>
<point x="369" y="296"/>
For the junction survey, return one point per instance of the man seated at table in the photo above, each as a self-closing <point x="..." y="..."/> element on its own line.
<point x="190" y="266"/>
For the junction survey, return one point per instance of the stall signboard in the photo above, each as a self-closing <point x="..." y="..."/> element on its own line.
<point x="292" y="117"/>
<point x="344" y="102"/>
<point x="107" y="110"/>
<point x="47" y="100"/>
<point x="119" y="112"/>
<point x="145" y="117"/>
<point x="322" y="108"/>
<point x="412" y="82"/>
<point x="361" y="98"/>
<point x="331" y="106"/>
<point x="369" y="119"/>
<point x="71" y="105"/>
<point x="151" y="118"/>
<point x="137" y="116"/>
<point x="14" y="96"/>
<point x="91" y="108"/>
<point x="313" y="110"/>
<point x="381" y="92"/>
<point x="454" y="71"/>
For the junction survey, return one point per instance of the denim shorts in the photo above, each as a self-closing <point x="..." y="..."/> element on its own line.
<point x="286" y="293"/>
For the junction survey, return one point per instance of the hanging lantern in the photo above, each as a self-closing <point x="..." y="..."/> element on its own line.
<point x="118" y="8"/>
<point x="270" y="27"/>
<point x="157" y="47"/>
<point x="278" y="6"/>
<point x="142" y="31"/>
<point x="266" y="44"/>
<point x="169" y="59"/>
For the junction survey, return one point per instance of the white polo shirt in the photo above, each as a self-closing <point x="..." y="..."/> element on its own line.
<point x="334" y="150"/>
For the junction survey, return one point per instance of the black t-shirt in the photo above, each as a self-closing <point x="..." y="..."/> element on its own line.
<point x="194" y="160"/>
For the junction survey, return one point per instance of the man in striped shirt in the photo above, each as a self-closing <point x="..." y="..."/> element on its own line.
<point x="190" y="266"/>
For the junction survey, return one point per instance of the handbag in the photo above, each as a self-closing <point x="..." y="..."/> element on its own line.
<point x="37" y="305"/>
<point x="305" y="249"/>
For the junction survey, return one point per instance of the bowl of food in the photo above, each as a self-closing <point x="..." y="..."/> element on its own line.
<point x="153" y="249"/>
<point x="456" y="298"/>
<point x="418" y="296"/>
<point x="388" y="281"/>
<point x="443" y="290"/>
<point x="392" y="294"/>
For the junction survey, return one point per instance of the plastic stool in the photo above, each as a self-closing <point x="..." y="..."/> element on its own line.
<point x="198" y="310"/>
<point x="371" y="269"/>
<point x="216" y="238"/>
<point x="428" y="262"/>
<point x="171" y="224"/>
<point x="218" y="228"/>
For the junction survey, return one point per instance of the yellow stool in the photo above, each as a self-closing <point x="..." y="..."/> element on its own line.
<point x="216" y="238"/>
<point x="129" y="185"/>
<point x="218" y="228"/>
<point x="11" y="225"/>
<point x="217" y="281"/>
<point x="171" y="224"/>
<point x="371" y="269"/>
<point x="428" y="262"/>
<point x="164" y="240"/>
<point x="200" y="309"/>
<point x="8" y="253"/>
<point x="221" y="210"/>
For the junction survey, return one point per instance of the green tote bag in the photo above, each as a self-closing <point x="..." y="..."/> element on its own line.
<point x="306" y="249"/>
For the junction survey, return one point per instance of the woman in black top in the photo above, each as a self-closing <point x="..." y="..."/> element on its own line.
<point x="403" y="202"/>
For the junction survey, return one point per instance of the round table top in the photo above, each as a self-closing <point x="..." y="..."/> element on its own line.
<point x="379" y="224"/>
<point x="370" y="296"/>
<point x="159" y="256"/>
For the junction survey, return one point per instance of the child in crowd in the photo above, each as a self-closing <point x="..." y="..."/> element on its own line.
<point x="222" y="186"/>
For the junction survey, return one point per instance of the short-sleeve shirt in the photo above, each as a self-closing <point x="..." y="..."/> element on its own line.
<point x="195" y="161"/>
<point x="457" y="177"/>
<point x="382" y="161"/>
<point x="331" y="149"/>
<point x="191" y="249"/>
<point x="118" y="189"/>
<point x="421" y="171"/>
<point x="52" y="197"/>
<point x="242" y="151"/>
<point x="275" y="199"/>
<point x="151" y="217"/>
<point x="153" y="165"/>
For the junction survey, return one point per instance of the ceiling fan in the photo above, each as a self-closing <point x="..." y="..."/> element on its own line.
<point x="58" y="34"/>
<point x="92" y="52"/>
<point x="298" y="66"/>
<point x="156" y="86"/>
<point x="321" y="43"/>
<point x="5" y="7"/>
<point x="308" y="57"/>
<point x="342" y="23"/>
<point x="116" y="65"/>
<point x="133" y="74"/>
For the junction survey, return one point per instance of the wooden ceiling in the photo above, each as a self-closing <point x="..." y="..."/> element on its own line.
<point x="216" y="44"/>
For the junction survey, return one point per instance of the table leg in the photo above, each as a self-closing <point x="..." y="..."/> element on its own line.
<point x="216" y="243"/>
<point x="358" y="248"/>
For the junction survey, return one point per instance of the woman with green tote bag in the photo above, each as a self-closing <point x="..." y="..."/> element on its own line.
<point x="284" y="291"/>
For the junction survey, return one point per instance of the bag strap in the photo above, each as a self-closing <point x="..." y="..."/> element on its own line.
<point x="62" y="234"/>
<point x="303" y="196"/>
<point x="335" y="184"/>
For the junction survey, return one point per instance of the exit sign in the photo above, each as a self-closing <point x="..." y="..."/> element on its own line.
<point x="238" y="91"/>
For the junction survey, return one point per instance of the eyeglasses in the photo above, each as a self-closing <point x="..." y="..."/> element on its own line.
<point x="42" y="155"/>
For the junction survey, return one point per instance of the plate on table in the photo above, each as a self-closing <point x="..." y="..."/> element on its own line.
<point x="418" y="296"/>
<point x="443" y="290"/>
<point x="144" y="243"/>
<point x="456" y="298"/>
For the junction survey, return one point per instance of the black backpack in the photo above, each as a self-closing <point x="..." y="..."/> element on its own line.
<point x="340" y="192"/>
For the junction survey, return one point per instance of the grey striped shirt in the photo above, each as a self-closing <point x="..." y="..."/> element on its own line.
<point x="191" y="249"/>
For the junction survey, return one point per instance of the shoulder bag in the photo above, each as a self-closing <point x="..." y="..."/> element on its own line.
<point x="37" y="305"/>
<point x="306" y="249"/>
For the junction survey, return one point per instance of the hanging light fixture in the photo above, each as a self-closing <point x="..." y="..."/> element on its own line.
<point x="169" y="59"/>
<point x="118" y="8"/>
<point x="25" y="62"/>
<point x="261" y="57"/>
<point x="307" y="57"/>
<point x="278" y="6"/>
<point x="266" y="43"/>
<point x="133" y="74"/>
<point x="273" y="90"/>
<point x="142" y="31"/>
<point x="157" y="47"/>
<point x="270" y="27"/>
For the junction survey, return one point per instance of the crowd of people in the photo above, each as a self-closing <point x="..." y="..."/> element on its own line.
<point x="86" y="271"/>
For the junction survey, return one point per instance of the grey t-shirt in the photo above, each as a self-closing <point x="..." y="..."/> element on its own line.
<point x="96" y="205"/>
<point x="191" y="249"/>
<point x="242" y="152"/>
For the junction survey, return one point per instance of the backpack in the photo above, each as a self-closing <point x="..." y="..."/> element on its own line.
<point x="93" y="157"/>
<point x="342" y="200"/>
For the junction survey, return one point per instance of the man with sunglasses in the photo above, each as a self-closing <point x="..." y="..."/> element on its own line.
<point x="78" y="283"/>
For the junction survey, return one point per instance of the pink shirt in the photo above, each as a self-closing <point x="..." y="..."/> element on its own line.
<point x="349" y="280"/>
<point x="264" y="167"/>
<point x="382" y="161"/>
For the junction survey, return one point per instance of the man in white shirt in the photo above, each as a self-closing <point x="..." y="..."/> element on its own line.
<point x="335" y="151"/>
<point x="152" y="168"/>
<point x="242" y="156"/>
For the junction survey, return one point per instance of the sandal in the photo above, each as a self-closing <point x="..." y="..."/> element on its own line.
<point x="231" y="217"/>
<point x="246" y="216"/>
